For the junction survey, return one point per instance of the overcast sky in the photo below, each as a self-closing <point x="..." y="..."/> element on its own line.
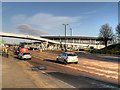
<point x="46" y="18"/>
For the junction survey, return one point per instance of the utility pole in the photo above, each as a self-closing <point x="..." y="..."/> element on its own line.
<point x="65" y="35"/>
<point x="70" y="31"/>
<point x="71" y="37"/>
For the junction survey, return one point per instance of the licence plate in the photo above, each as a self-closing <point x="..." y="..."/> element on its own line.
<point x="27" y="56"/>
<point x="73" y="60"/>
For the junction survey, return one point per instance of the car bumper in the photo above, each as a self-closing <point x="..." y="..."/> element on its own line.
<point x="26" y="58"/>
<point x="69" y="61"/>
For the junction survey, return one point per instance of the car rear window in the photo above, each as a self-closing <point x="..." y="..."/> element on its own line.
<point x="26" y="53"/>
<point x="71" y="54"/>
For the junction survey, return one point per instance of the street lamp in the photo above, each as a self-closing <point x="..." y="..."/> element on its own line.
<point x="65" y="34"/>
<point x="71" y="37"/>
<point x="70" y="31"/>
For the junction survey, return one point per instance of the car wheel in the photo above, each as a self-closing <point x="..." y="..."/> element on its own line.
<point x="57" y="60"/>
<point x="65" y="62"/>
<point x="21" y="58"/>
<point x="76" y="62"/>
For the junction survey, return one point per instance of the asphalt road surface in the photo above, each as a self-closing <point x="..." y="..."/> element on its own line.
<point x="88" y="73"/>
<point x="99" y="57"/>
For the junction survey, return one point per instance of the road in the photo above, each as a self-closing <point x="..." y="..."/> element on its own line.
<point x="90" y="72"/>
<point x="98" y="57"/>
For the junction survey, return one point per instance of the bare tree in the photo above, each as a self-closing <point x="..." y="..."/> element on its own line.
<point x="106" y="33"/>
<point x="118" y="32"/>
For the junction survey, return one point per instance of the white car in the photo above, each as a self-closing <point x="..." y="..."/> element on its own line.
<point x="67" y="57"/>
<point x="24" y="55"/>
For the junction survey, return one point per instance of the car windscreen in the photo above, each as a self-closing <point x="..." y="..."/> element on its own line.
<point x="26" y="53"/>
<point x="71" y="54"/>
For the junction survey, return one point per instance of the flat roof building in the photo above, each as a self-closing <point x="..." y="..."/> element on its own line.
<point x="75" y="39"/>
<point x="75" y="42"/>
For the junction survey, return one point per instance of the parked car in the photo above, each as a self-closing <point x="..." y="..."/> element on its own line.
<point x="67" y="57"/>
<point x="24" y="55"/>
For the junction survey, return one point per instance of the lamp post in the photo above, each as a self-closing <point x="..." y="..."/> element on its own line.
<point x="65" y="35"/>
<point x="71" y="37"/>
<point x="70" y="31"/>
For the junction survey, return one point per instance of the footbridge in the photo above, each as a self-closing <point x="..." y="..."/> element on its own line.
<point x="29" y="37"/>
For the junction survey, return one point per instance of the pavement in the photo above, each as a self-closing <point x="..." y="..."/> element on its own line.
<point x="13" y="75"/>
<point x="0" y="72"/>
<point x="18" y="74"/>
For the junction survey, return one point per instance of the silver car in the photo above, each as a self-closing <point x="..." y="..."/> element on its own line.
<point x="24" y="55"/>
<point x="67" y="57"/>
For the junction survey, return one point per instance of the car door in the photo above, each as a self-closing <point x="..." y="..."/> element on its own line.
<point x="63" y="57"/>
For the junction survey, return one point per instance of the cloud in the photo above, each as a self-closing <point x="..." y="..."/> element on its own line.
<point x="44" y="22"/>
<point x="49" y="21"/>
<point x="27" y="29"/>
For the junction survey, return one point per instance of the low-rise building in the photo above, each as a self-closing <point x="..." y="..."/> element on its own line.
<point x="72" y="42"/>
